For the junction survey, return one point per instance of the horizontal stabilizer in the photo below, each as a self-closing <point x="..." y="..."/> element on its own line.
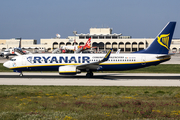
<point x="165" y="56"/>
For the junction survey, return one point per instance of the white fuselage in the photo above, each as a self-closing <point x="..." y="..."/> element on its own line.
<point x="51" y="62"/>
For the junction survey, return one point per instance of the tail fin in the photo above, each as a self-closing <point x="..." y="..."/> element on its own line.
<point x="19" y="42"/>
<point x="88" y="44"/>
<point x="162" y="42"/>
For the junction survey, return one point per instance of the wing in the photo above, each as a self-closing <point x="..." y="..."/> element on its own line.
<point x="94" y="65"/>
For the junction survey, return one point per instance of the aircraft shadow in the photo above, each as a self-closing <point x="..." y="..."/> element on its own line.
<point x="105" y="77"/>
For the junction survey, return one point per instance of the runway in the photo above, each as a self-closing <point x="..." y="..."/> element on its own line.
<point x="99" y="79"/>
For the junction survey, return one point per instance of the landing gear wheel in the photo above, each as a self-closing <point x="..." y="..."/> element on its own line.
<point x="7" y="57"/>
<point x="89" y="74"/>
<point x="21" y="74"/>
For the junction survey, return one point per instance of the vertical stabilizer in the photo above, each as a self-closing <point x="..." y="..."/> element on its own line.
<point x="19" y="42"/>
<point x="162" y="42"/>
<point x="88" y="44"/>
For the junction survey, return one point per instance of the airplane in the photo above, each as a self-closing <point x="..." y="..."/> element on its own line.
<point x="85" y="47"/>
<point x="77" y="49"/>
<point x="72" y="64"/>
<point x="7" y="53"/>
<point x="14" y="51"/>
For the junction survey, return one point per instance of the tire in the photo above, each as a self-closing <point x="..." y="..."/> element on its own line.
<point x="21" y="75"/>
<point x="89" y="75"/>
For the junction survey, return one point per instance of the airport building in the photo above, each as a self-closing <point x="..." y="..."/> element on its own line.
<point x="29" y="44"/>
<point x="101" y="38"/>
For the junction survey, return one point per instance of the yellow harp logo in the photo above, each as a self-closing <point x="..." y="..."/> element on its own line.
<point x="164" y="40"/>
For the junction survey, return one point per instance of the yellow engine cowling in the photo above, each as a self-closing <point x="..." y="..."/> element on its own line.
<point x="63" y="70"/>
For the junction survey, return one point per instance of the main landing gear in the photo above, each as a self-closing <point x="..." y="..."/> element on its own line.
<point x="89" y="74"/>
<point x="7" y="57"/>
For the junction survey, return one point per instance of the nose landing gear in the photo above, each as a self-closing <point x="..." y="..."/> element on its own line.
<point x="21" y="74"/>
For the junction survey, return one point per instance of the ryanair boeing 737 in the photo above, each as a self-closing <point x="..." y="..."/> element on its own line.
<point x="72" y="64"/>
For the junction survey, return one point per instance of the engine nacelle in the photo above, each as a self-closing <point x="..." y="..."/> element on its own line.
<point x="64" y="70"/>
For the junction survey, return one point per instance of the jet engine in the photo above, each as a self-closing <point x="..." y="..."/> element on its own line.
<point x="64" y="70"/>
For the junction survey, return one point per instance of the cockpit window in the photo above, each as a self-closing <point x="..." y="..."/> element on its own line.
<point x="13" y="60"/>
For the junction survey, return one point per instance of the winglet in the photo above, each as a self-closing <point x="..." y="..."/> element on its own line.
<point x="107" y="55"/>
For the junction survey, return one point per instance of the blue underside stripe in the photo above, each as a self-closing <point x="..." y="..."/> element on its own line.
<point x="105" y="67"/>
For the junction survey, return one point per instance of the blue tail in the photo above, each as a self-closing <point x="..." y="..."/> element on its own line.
<point x="162" y="42"/>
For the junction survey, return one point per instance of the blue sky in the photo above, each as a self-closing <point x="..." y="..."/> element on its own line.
<point x="35" y="19"/>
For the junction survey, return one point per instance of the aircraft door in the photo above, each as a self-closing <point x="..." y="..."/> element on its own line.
<point x="23" y="60"/>
<point x="143" y="60"/>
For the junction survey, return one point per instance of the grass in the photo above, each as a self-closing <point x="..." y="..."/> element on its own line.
<point x="162" y="68"/>
<point x="92" y="103"/>
<point x="4" y="69"/>
<point x="79" y="103"/>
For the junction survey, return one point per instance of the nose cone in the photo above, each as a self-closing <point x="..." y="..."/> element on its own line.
<point x="6" y="64"/>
